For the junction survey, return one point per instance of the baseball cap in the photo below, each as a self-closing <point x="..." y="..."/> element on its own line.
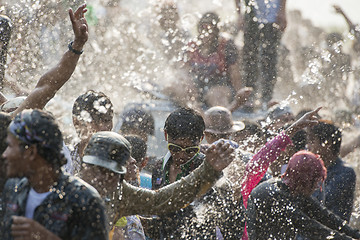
<point x="109" y="150"/>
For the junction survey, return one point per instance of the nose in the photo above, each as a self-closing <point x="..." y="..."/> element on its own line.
<point x="4" y="154"/>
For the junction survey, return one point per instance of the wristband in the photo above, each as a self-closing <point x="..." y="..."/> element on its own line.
<point x="73" y="50"/>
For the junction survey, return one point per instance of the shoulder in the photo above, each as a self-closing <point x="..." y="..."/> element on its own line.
<point x="78" y="190"/>
<point x="269" y="187"/>
<point x="344" y="169"/>
<point x="16" y="185"/>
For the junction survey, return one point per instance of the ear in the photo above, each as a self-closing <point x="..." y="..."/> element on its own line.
<point x="31" y="152"/>
<point x="166" y="135"/>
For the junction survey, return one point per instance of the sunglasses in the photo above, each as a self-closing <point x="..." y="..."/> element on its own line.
<point x="189" y="150"/>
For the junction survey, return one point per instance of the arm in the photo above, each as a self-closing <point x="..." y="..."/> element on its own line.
<point x="348" y="148"/>
<point x="258" y="165"/>
<point x="3" y="99"/>
<point x="347" y="19"/>
<point x="329" y="219"/>
<point x="55" y="78"/>
<point x="177" y="195"/>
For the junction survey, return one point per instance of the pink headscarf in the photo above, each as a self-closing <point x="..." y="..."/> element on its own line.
<point x="304" y="170"/>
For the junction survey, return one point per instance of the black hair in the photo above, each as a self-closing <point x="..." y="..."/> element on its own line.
<point x="139" y="119"/>
<point x="185" y="123"/>
<point x="96" y="104"/>
<point x="138" y="147"/>
<point x="328" y="134"/>
<point x="5" y="120"/>
<point x="209" y="17"/>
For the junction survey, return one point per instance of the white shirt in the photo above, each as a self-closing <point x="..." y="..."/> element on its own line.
<point x="33" y="201"/>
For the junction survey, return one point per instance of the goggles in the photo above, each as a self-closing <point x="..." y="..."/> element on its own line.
<point x="189" y="150"/>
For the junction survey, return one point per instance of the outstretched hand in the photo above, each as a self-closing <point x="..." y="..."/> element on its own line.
<point x="308" y="120"/>
<point x="80" y="26"/>
<point x="219" y="156"/>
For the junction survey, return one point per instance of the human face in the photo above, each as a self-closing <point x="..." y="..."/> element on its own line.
<point x="182" y="156"/>
<point x="104" y="180"/>
<point x="14" y="158"/>
<point x="208" y="32"/>
<point x="131" y="169"/>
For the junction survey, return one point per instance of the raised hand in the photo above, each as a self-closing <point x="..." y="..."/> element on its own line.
<point x="308" y="120"/>
<point x="80" y="26"/>
<point x="338" y="9"/>
<point x="219" y="156"/>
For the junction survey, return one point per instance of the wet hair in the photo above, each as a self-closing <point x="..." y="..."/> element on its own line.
<point x="185" y="123"/>
<point x="333" y="37"/>
<point x="5" y="120"/>
<point x="208" y="17"/>
<point x="299" y="140"/>
<point x="39" y="128"/>
<point x="93" y="106"/>
<point x="328" y="134"/>
<point x="139" y="119"/>
<point x="138" y="147"/>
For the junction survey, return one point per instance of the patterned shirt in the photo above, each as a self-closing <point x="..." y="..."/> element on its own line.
<point x="73" y="209"/>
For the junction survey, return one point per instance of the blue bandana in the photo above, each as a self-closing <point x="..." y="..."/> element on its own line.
<point x="22" y="128"/>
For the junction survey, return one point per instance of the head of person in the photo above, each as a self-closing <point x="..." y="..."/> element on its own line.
<point x="184" y="131"/>
<point x="105" y="158"/>
<point x="334" y="40"/>
<point x="34" y="140"/>
<point x="219" y="124"/>
<point x="280" y="116"/>
<point x="304" y="173"/>
<point x="208" y="27"/>
<point x="92" y="112"/>
<point x="139" y="148"/>
<point x="251" y="136"/>
<point x="137" y="121"/>
<point x="325" y="139"/>
<point x="168" y="16"/>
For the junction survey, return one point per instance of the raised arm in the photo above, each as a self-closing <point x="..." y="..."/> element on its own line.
<point x="347" y="19"/>
<point x="180" y="193"/>
<point x="56" y="77"/>
<point x="259" y="164"/>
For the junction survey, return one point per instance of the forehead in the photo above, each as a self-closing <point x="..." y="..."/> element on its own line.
<point x="10" y="138"/>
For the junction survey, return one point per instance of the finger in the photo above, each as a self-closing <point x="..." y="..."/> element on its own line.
<point x="71" y="14"/>
<point x="80" y="9"/>
<point x="19" y="219"/>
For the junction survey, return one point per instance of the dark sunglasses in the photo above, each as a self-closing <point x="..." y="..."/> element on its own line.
<point x="189" y="150"/>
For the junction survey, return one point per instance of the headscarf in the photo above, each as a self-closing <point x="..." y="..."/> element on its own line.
<point x="304" y="170"/>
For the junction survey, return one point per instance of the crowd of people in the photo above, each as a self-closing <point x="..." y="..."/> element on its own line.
<point x="278" y="177"/>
